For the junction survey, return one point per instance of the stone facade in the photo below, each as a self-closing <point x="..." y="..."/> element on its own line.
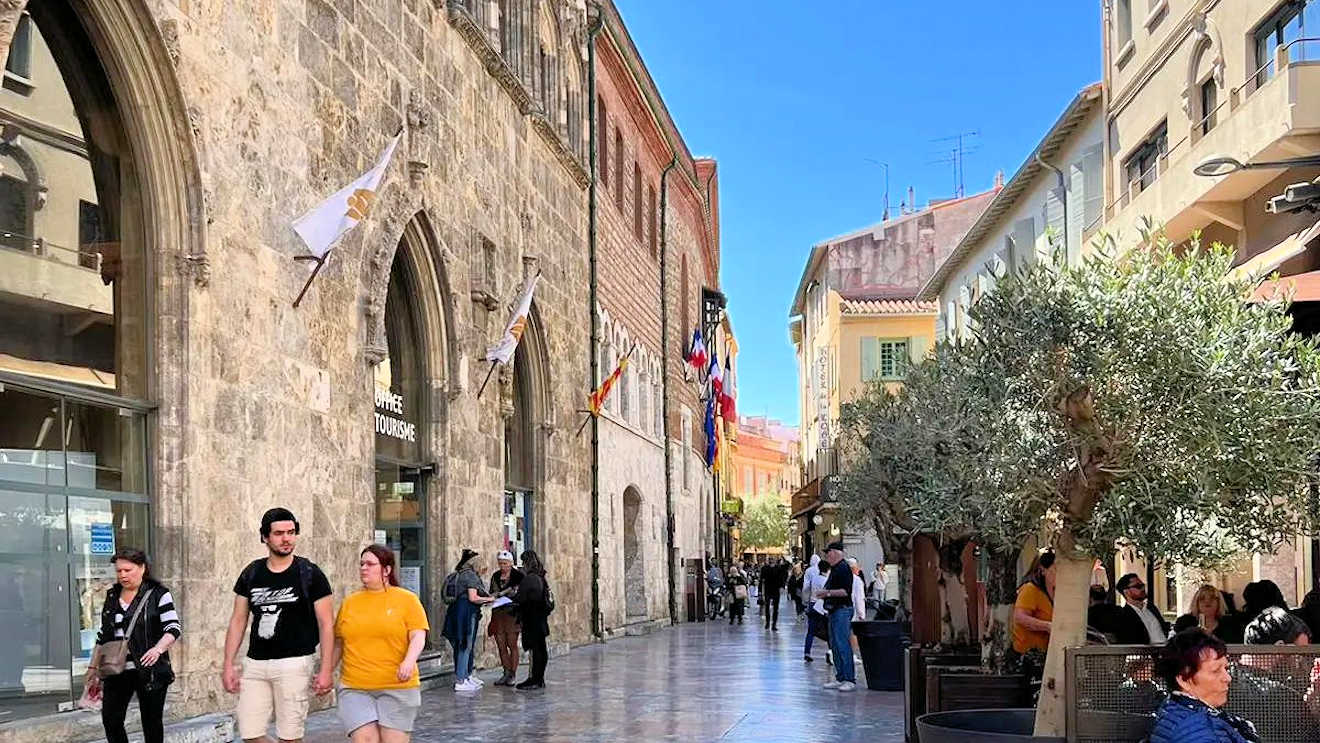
<point x="637" y="142"/>
<point x="241" y="115"/>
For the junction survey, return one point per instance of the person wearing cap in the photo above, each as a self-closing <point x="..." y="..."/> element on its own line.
<point x="837" y="596"/>
<point x="291" y="607"/>
<point x="504" y="625"/>
<point x="462" y="618"/>
<point x="1140" y="622"/>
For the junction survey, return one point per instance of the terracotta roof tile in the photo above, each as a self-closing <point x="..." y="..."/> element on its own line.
<point x="886" y="307"/>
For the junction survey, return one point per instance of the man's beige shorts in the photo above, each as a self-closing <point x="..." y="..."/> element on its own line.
<point x="281" y="686"/>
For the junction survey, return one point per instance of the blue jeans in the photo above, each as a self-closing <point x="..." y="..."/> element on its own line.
<point x="814" y="620"/>
<point x="465" y="659"/>
<point x="840" y="631"/>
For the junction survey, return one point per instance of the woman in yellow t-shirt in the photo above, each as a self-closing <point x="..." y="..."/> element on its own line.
<point x="379" y="633"/>
<point x="1034" y="609"/>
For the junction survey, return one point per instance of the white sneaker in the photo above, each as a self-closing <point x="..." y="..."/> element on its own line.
<point x="831" y="684"/>
<point x="477" y="681"/>
<point x="466" y="685"/>
<point x="847" y="686"/>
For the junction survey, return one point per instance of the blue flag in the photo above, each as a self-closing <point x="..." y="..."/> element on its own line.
<point x="712" y="443"/>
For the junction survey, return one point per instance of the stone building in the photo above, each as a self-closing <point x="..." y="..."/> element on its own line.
<point x="158" y="389"/>
<point x="648" y="177"/>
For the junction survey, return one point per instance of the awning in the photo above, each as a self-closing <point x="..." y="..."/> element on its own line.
<point x="1304" y="287"/>
<point x="84" y="375"/>
<point x="805" y="511"/>
<point x="1262" y="265"/>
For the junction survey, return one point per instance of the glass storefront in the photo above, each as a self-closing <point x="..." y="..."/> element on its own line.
<point x="74" y="324"/>
<point x="72" y="491"/>
<point x="401" y="475"/>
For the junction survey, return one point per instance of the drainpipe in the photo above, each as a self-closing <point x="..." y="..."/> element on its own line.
<point x="664" y="386"/>
<point x="720" y="551"/>
<point x="1063" y="192"/>
<point x="597" y="627"/>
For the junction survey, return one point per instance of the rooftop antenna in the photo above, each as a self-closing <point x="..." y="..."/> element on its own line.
<point x="885" y="215"/>
<point x="962" y="146"/>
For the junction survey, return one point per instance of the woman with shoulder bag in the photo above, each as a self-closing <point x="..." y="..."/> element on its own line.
<point x="737" y="583"/>
<point x="138" y="625"/>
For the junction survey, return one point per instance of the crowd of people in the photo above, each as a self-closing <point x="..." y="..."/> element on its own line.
<point x="284" y="605"/>
<point x="1193" y="657"/>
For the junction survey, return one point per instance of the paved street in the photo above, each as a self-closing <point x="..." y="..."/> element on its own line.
<point x="696" y="682"/>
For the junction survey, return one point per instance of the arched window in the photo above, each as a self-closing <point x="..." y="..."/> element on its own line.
<point x="618" y="168"/>
<point x="74" y="356"/>
<point x="401" y="415"/>
<point x="513" y="35"/>
<point x="547" y="63"/>
<point x="637" y="200"/>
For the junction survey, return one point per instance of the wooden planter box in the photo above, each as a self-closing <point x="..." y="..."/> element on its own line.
<point x="916" y="661"/>
<point x="951" y="688"/>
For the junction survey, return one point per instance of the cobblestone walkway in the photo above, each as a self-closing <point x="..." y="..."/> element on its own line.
<point x="695" y="682"/>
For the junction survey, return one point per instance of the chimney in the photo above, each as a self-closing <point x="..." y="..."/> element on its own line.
<point x="999" y="179"/>
<point x="912" y="198"/>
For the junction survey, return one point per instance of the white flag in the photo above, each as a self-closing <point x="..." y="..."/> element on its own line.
<point x="503" y="351"/>
<point x="326" y="222"/>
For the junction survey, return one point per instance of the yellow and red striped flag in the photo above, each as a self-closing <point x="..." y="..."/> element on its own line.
<point x="597" y="399"/>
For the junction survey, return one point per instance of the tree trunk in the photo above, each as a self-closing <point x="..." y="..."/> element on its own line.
<point x="1001" y="594"/>
<point x="904" y="560"/>
<point x="954" y="628"/>
<point x="1068" y="629"/>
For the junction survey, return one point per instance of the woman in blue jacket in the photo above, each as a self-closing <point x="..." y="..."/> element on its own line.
<point x="1194" y="665"/>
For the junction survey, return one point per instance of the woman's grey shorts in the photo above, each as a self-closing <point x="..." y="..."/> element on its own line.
<point x="391" y="708"/>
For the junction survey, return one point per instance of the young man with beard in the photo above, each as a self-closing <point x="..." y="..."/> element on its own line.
<point x="291" y="607"/>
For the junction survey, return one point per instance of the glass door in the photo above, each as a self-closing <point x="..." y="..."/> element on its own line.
<point x="517" y="521"/>
<point x="401" y="521"/>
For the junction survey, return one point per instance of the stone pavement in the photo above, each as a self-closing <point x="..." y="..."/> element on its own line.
<point x="694" y="682"/>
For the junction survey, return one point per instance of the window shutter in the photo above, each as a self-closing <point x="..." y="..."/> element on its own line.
<point x="1024" y="243"/>
<point x="1053" y="218"/>
<point x="917" y="348"/>
<point x="870" y="359"/>
<point x="1076" y="210"/>
<point x="1093" y="188"/>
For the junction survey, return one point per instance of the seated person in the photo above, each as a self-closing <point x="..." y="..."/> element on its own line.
<point x="1274" y="681"/>
<point x="1194" y="665"/>
<point x="1102" y="617"/>
<point x="1209" y="611"/>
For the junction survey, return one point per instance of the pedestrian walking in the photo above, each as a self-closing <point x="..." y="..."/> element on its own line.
<point x="737" y="583"/>
<point x="139" y="624"/>
<point x="773" y="577"/>
<point x="465" y="594"/>
<point x="859" y="607"/>
<point x="535" y="603"/>
<point x="379" y="633"/>
<point x="837" y="595"/>
<point x="812" y="582"/>
<point x="504" y="626"/>
<point x="291" y="607"/>
<point x="795" y="588"/>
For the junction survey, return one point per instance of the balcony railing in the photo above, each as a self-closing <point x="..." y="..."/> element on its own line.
<point x="87" y="256"/>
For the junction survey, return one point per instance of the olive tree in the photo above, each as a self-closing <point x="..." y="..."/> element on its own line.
<point x="1138" y="401"/>
<point x="765" y="523"/>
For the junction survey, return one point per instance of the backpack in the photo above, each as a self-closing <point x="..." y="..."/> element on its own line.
<point x="451" y="591"/>
<point x="303" y="565"/>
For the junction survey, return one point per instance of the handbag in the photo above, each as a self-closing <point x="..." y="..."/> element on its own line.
<point x="114" y="653"/>
<point x="740" y="592"/>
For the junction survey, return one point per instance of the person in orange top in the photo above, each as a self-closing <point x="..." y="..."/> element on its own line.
<point x="1034" y="609"/>
<point x="379" y="633"/>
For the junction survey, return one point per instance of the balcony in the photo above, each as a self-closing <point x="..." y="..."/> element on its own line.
<point x="33" y="270"/>
<point x="1260" y="119"/>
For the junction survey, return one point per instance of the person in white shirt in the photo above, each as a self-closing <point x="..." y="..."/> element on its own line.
<point x="859" y="603"/>
<point x="813" y="581"/>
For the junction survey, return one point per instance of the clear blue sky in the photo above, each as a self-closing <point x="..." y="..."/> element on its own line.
<point x="793" y="96"/>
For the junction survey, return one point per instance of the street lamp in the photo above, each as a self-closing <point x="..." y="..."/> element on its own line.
<point x="1223" y="164"/>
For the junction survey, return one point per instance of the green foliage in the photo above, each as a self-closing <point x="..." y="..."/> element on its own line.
<point x="765" y="523"/>
<point x="1137" y="400"/>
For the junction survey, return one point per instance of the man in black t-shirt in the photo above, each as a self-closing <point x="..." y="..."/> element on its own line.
<point x="291" y="607"/>
<point x="837" y="596"/>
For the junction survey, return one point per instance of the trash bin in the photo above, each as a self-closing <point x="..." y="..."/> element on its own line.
<point x="882" y="645"/>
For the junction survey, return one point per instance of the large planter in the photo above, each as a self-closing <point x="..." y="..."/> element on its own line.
<point x="981" y="726"/>
<point x="951" y="688"/>
<point x="916" y="660"/>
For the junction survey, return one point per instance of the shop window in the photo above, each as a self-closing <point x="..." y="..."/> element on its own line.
<point x="73" y="363"/>
<point x="400" y="417"/>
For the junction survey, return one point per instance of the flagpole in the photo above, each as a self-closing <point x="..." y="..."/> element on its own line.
<point x="491" y="371"/>
<point x="487" y="381"/>
<point x="590" y="414"/>
<point x="317" y="269"/>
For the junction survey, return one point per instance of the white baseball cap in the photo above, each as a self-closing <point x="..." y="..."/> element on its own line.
<point x="504" y="555"/>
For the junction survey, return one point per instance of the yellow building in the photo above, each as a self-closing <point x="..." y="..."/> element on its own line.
<point x="855" y="319"/>
<point x="763" y="462"/>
